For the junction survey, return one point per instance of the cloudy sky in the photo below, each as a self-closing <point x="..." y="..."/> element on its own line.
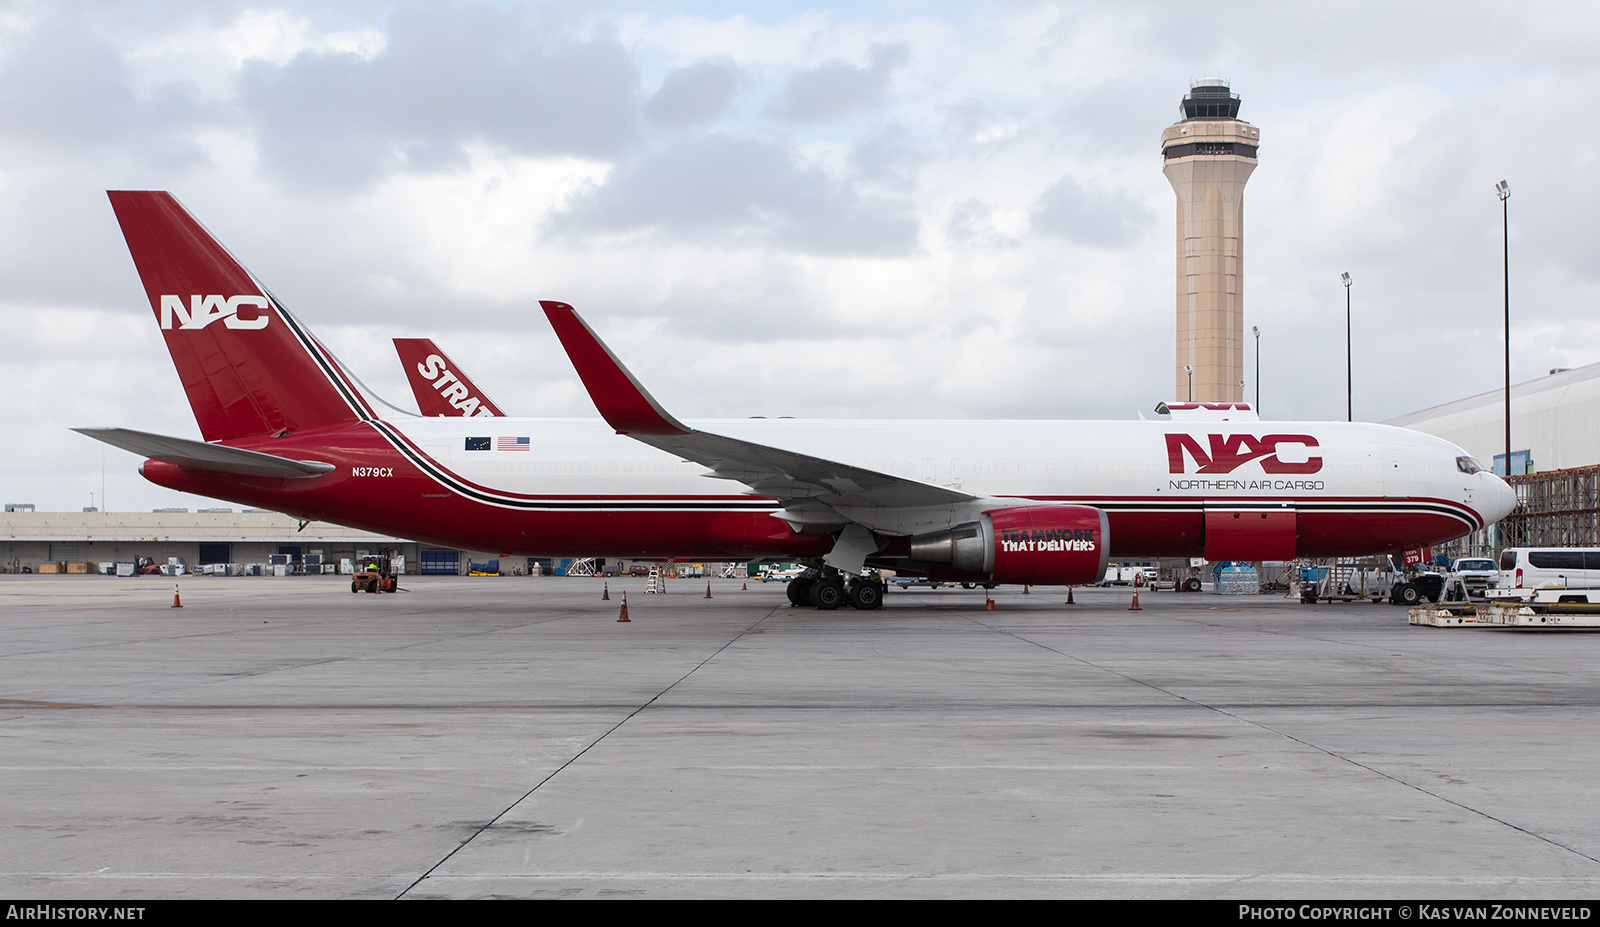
<point x="892" y="210"/>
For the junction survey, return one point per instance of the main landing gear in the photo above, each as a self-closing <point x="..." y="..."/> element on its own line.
<point x="827" y="589"/>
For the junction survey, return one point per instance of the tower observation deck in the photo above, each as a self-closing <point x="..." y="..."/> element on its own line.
<point x="1208" y="156"/>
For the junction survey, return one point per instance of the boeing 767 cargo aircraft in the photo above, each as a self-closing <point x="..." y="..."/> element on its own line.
<point x="287" y="427"/>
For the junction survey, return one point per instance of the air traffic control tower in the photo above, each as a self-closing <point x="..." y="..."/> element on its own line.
<point x="1208" y="157"/>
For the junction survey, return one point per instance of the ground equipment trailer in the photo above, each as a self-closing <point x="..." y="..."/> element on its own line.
<point x="1375" y="578"/>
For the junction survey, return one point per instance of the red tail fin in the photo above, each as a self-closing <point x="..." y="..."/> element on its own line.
<point x="438" y="383"/>
<point x="248" y="366"/>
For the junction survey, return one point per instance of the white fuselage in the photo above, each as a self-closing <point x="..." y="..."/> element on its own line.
<point x="1093" y="461"/>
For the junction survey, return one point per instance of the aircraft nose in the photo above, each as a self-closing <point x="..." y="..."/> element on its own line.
<point x="1499" y="499"/>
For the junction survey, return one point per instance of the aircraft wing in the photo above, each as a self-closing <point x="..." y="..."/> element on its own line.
<point x="781" y="474"/>
<point x="198" y="455"/>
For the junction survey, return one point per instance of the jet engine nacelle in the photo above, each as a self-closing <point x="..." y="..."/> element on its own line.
<point x="1040" y="544"/>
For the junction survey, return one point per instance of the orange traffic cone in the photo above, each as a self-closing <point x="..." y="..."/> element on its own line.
<point x="624" y="615"/>
<point x="708" y="590"/>
<point x="988" y="605"/>
<point x="175" y="602"/>
<point x="1024" y="590"/>
<point x="605" y="594"/>
<point x="1069" y="596"/>
<point x="744" y="587"/>
<point x="1135" y="606"/>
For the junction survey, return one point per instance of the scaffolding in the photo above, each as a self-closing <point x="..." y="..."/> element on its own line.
<point x="1480" y="543"/>
<point x="1556" y="508"/>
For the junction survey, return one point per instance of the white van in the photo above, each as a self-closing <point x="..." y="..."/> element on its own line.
<point x="1535" y="567"/>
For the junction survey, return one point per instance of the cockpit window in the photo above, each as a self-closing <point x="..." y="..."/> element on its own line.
<point x="1468" y="465"/>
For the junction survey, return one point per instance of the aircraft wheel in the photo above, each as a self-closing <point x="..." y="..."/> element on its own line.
<point x="799" y="592"/>
<point x="827" y="594"/>
<point x="865" y="595"/>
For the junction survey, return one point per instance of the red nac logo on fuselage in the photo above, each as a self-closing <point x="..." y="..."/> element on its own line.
<point x="203" y="310"/>
<point x="1228" y="452"/>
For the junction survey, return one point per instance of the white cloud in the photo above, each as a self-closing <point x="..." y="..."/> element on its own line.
<point x="276" y="36"/>
<point x="208" y="55"/>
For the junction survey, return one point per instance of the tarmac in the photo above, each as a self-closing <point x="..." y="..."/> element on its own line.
<point x="507" y="737"/>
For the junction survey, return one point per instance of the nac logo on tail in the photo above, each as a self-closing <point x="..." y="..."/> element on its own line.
<point x="203" y="310"/>
<point x="451" y="388"/>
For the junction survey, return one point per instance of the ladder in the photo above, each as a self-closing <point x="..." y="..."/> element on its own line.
<point x="1348" y="579"/>
<point x="658" y="581"/>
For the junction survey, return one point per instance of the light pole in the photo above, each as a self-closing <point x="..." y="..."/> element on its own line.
<point x="1503" y="190"/>
<point x="1348" y="405"/>
<point x="1189" y="369"/>
<point x="1254" y="330"/>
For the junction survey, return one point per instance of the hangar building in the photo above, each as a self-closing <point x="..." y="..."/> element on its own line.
<point x="1555" y="457"/>
<point x="1552" y="422"/>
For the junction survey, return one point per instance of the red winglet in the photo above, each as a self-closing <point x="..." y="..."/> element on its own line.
<point x="622" y="402"/>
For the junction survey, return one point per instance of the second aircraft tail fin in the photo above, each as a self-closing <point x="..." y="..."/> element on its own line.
<point x="438" y="383"/>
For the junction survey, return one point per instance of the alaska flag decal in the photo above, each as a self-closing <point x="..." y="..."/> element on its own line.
<point x="477" y="444"/>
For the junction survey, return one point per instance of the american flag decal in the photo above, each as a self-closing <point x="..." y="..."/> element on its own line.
<point x="512" y="444"/>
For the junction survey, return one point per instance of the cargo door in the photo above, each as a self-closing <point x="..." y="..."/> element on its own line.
<point x="1250" y="533"/>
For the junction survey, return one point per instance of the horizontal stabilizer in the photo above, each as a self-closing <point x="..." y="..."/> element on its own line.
<point x="198" y="455"/>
